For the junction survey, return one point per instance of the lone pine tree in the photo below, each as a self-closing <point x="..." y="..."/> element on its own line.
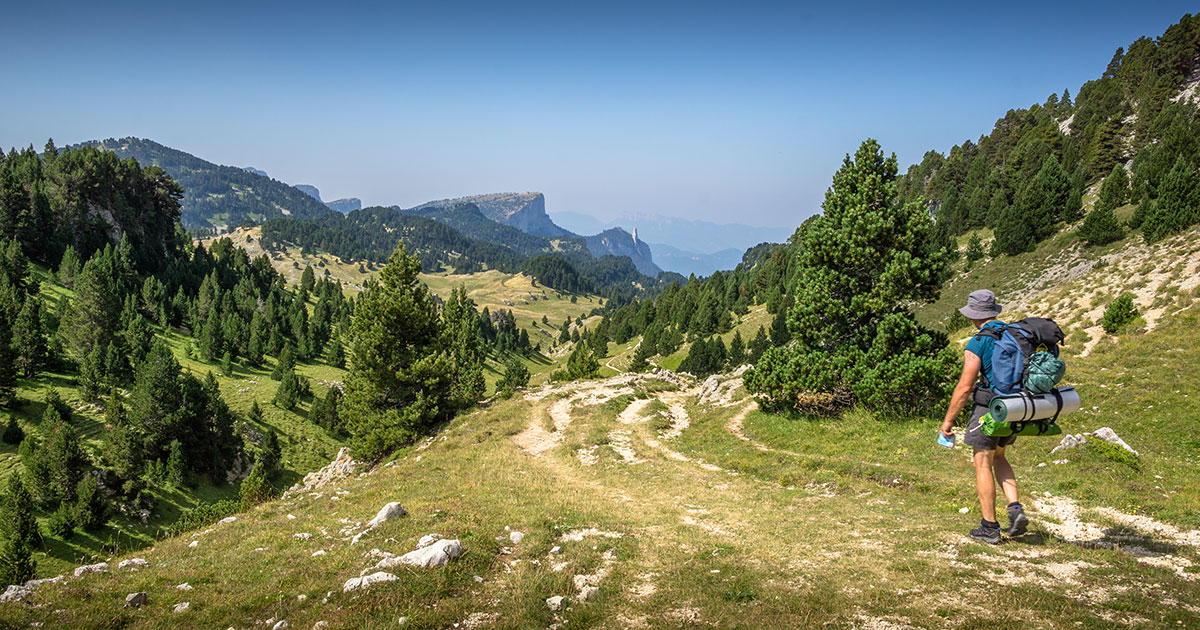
<point x="860" y="265"/>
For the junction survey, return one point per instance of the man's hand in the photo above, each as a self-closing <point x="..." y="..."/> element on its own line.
<point x="962" y="391"/>
<point x="947" y="430"/>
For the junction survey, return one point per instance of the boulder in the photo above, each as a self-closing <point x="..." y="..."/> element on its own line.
<point x="133" y="564"/>
<point x="182" y="607"/>
<point x="32" y="584"/>
<point x="99" y="567"/>
<point x="555" y="603"/>
<point x="1110" y="436"/>
<point x="183" y="587"/>
<point x="341" y="467"/>
<point x="588" y="593"/>
<point x="387" y="513"/>
<point x="435" y="555"/>
<point x="367" y="580"/>
<point x="16" y="593"/>
<point x="227" y="520"/>
<point x="134" y="600"/>
<point x="428" y="539"/>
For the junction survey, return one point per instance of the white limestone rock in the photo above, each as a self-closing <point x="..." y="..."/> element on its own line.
<point x="16" y="593"/>
<point x="135" y="600"/>
<point x="387" y="513"/>
<point x="435" y="555"/>
<point x="1110" y="436"/>
<point x="133" y="564"/>
<point x="356" y="583"/>
<point x="555" y="603"/>
<point x="428" y="539"/>
<point x="182" y="607"/>
<point x="99" y="567"/>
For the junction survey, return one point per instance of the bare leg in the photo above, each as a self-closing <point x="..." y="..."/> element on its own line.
<point x="985" y="485"/>
<point x="1005" y="476"/>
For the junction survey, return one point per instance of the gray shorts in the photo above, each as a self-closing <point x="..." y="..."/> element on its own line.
<point x="975" y="436"/>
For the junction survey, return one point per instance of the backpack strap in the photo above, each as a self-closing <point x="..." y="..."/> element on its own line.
<point x="1059" y="400"/>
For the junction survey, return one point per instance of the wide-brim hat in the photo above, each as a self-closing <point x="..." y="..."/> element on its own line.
<point x="981" y="304"/>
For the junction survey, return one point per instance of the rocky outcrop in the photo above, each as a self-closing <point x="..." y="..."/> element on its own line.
<point x="524" y="211"/>
<point x="387" y="513"/>
<point x="341" y="467"/>
<point x="353" y="584"/>
<point x="309" y="190"/>
<point x="346" y="205"/>
<point x="618" y="242"/>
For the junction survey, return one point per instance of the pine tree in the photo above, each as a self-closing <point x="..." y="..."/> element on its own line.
<point x="12" y="432"/>
<point x="255" y="487"/>
<point x="8" y="365"/>
<point x="336" y="354"/>
<point x="287" y="395"/>
<point x="779" y="329"/>
<point x="16" y="510"/>
<point x="399" y="382"/>
<point x="1013" y="233"/>
<point x="269" y="452"/>
<point x="1101" y="227"/>
<point x="176" y="464"/>
<point x="17" y="565"/>
<point x="641" y="358"/>
<point x="286" y="363"/>
<point x="29" y="341"/>
<point x="256" y="414"/>
<point x="95" y="313"/>
<point x="121" y="448"/>
<point x="307" y="280"/>
<point x="464" y="346"/>
<point x="737" y="351"/>
<point x="861" y="263"/>
<point x="1178" y="203"/>
<point x="91" y="510"/>
<point x="324" y="412"/>
<point x="516" y="375"/>
<point x="92" y="381"/>
<point x="759" y="345"/>
<point x="67" y="461"/>
<point x="1114" y="190"/>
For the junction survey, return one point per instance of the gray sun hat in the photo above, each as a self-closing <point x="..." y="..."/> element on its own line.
<point x="981" y="304"/>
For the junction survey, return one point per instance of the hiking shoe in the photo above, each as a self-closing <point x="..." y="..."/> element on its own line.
<point x="1017" y="522"/>
<point x="987" y="534"/>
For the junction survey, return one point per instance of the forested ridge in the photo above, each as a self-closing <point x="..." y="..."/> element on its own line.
<point x="216" y="195"/>
<point x="102" y="297"/>
<point x="1028" y="175"/>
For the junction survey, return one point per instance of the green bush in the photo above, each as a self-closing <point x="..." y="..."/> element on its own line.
<point x="1101" y="227"/>
<point x="1119" y="314"/>
<point x="202" y="515"/>
<point x="1115" y="453"/>
<point x="255" y="487"/>
<point x="12" y="432"/>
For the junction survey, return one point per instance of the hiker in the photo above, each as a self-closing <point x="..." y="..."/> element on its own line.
<point x="988" y="456"/>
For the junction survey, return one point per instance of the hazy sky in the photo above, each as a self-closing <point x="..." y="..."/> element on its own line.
<point x="731" y="111"/>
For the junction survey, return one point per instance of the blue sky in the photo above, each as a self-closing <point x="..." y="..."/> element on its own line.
<point x="731" y="112"/>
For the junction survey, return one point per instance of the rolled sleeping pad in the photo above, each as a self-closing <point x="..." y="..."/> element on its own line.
<point x="1023" y="407"/>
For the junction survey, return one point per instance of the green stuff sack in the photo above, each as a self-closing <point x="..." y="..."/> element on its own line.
<point x="1032" y="428"/>
<point x="1044" y="372"/>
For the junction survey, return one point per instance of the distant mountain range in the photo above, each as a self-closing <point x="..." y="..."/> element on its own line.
<point x="526" y="212"/>
<point x="686" y="246"/>
<point x="345" y="206"/>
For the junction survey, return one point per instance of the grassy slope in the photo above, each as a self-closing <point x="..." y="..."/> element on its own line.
<point x="305" y="447"/>
<point x="797" y="523"/>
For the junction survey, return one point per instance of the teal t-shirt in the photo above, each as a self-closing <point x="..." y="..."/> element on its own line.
<point x="981" y="346"/>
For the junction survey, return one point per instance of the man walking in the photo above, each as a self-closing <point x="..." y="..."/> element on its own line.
<point x="991" y="465"/>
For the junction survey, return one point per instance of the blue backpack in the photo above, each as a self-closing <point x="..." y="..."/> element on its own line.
<point x="1025" y="357"/>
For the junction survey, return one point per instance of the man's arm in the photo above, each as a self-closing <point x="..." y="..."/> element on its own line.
<point x="962" y="391"/>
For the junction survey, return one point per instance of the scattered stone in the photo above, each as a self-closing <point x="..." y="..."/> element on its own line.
<point x="588" y="593"/>
<point x="478" y="579"/>
<point x="1069" y="441"/>
<point x="435" y="555"/>
<point x="367" y="580"/>
<point x="182" y="607"/>
<point x="227" y="520"/>
<point x="291" y="517"/>
<point x="556" y="549"/>
<point x="133" y="564"/>
<point x="1061" y="461"/>
<point x="516" y="537"/>
<point x="342" y="466"/>
<point x="134" y="600"/>
<point x="281" y="625"/>
<point x="194" y="544"/>
<point x="16" y="593"/>
<point x="1110" y="436"/>
<point x="32" y="584"/>
<point x="964" y="510"/>
<point x="320" y="624"/>
<point x="302" y="597"/>
<point x="100" y="567"/>
<point x="303" y="536"/>
<point x="184" y="587"/>
<point x="387" y="513"/>
<point x="555" y="603"/>
<point x="318" y="553"/>
<point x="428" y="539"/>
<point x="357" y="537"/>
